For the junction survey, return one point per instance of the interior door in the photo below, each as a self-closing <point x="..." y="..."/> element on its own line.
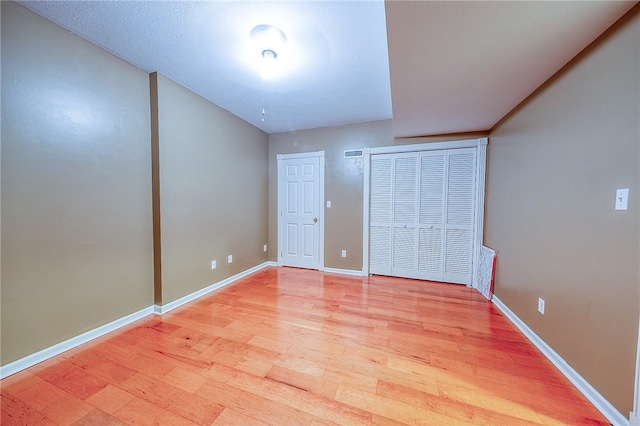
<point x="299" y="215"/>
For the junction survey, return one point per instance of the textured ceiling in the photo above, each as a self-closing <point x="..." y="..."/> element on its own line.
<point x="455" y="66"/>
<point x="336" y="66"/>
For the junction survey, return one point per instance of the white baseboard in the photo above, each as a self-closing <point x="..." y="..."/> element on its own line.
<point x="43" y="355"/>
<point x="342" y="271"/>
<point x="51" y="351"/>
<point x="605" y="407"/>
<point x="163" y="309"/>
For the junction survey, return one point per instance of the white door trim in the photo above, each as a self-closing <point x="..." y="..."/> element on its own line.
<point x="480" y="144"/>
<point x="634" y="416"/>
<point x="279" y="160"/>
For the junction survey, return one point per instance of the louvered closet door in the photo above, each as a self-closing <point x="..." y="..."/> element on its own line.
<point x="431" y="216"/>
<point x="422" y="215"/>
<point x="380" y="197"/>
<point x="404" y="250"/>
<point x="458" y="229"/>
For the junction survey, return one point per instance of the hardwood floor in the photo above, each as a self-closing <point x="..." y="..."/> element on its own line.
<point x="296" y="347"/>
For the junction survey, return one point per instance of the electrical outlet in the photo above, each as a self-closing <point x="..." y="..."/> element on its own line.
<point x="541" y="305"/>
<point x="214" y="264"/>
<point x="229" y="259"/>
<point x="344" y="253"/>
<point x="264" y="248"/>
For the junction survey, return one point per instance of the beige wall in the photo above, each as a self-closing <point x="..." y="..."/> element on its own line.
<point x="553" y="169"/>
<point x="343" y="182"/>
<point x="213" y="191"/>
<point x="76" y="185"/>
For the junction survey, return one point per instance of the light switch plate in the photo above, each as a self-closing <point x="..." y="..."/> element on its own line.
<point x="328" y="204"/>
<point x="229" y="259"/>
<point x="622" y="199"/>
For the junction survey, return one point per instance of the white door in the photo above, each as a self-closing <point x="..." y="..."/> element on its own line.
<point x="422" y="214"/>
<point x="300" y="213"/>
<point x="459" y="221"/>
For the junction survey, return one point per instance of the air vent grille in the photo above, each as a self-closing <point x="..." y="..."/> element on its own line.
<point x="353" y="153"/>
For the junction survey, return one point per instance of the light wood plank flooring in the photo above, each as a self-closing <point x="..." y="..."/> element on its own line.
<point x="297" y="347"/>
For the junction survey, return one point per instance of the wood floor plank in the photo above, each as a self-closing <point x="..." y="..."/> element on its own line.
<point x="15" y="412"/>
<point x="291" y="346"/>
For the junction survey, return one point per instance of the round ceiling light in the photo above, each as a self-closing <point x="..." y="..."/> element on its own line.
<point x="269" y="40"/>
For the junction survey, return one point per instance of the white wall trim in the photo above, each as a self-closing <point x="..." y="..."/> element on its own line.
<point x="51" y="351"/>
<point x="634" y="417"/>
<point x="343" y="271"/>
<point x="300" y="155"/>
<point x="605" y="407"/>
<point x="365" y="210"/>
<point x="431" y="146"/>
<point x="481" y="171"/>
<point x="163" y="309"/>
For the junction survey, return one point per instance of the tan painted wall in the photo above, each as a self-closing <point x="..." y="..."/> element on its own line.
<point x="553" y="169"/>
<point x="76" y="185"/>
<point x="343" y="182"/>
<point x="213" y="191"/>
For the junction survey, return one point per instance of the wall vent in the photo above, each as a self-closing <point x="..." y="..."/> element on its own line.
<point x="353" y="153"/>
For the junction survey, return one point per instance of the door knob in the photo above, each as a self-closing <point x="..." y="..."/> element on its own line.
<point x="315" y="220"/>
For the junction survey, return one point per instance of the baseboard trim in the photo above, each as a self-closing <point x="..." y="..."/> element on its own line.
<point x="57" y="349"/>
<point x="342" y="271"/>
<point x="605" y="407"/>
<point x="163" y="309"/>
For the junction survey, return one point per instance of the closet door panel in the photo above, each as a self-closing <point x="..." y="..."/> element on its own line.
<point x="431" y="215"/>
<point x="380" y="250"/>
<point x="404" y="252"/>
<point x="405" y="192"/>
<point x="381" y="214"/>
<point x="430" y="254"/>
<point x="460" y="215"/>
<point x="457" y="265"/>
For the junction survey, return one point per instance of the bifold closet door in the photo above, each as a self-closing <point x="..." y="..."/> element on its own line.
<point x="380" y="216"/>
<point x="422" y="215"/>
<point x="459" y="215"/>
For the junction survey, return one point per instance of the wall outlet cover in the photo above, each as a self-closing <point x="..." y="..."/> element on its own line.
<point x="229" y="259"/>
<point x="541" y="305"/>
<point x="214" y="264"/>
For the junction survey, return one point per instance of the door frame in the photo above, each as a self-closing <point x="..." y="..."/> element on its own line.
<point x="481" y="162"/>
<point x="280" y="161"/>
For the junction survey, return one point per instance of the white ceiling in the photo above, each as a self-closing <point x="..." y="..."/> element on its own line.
<point x="455" y="66"/>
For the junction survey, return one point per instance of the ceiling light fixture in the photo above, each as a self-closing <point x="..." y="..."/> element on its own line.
<point x="269" y="40"/>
